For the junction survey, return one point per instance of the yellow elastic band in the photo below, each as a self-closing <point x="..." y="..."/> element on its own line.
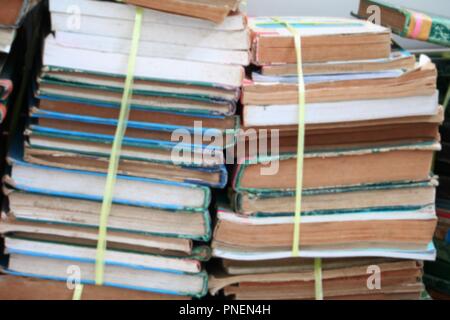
<point x="301" y="137"/>
<point x="300" y="158"/>
<point x="77" y="292"/>
<point x="116" y="151"/>
<point x="318" y="278"/>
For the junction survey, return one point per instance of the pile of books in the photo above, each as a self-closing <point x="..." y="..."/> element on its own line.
<point x="413" y="24"/>
<point x="187" y="83"/>
<point x="372" y="119"/>
<point x="344" y="279"/>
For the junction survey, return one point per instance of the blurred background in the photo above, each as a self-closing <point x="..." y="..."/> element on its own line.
<point x="342" y="8"/>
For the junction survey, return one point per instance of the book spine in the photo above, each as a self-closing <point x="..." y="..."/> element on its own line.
<point x="419" y="26"/>
<point x="203" y="275"/>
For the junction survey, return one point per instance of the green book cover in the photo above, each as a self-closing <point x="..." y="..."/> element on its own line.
<point x="237" y="198"/>
<point x="439" y="269"/>
<point x="260" y="160"/>
<point x="443" y="251"/>
<point x="438" y="284"/>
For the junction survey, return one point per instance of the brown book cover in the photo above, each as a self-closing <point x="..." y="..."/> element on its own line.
<point x="213" y="10"/>
<point x="21" y="288"/>
<point x="13" y="11"/>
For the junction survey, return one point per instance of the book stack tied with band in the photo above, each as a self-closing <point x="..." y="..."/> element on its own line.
<point x="371" y="119"/>
<point x="188" y="75"/>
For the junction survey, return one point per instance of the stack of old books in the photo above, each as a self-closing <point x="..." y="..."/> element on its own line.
<point x="187" y="83"/>
<point x="372" y="118"/>
<point x="433" y="28"/>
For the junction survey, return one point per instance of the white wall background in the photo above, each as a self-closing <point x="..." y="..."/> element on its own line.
<point x="339" y="8"/>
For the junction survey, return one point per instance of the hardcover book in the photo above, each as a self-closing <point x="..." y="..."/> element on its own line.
<point x="410" y="23"/>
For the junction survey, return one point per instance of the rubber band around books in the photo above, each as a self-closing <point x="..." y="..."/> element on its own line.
<point x="300" y="158"/>
<point x="116" y="150"/>
<point x="115" y="158"/>
<point x="77" y="292"/>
